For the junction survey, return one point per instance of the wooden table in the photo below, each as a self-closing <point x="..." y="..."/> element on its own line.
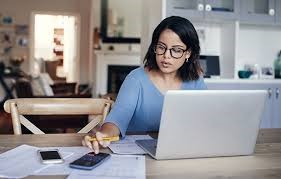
<point x="265" y="163"/>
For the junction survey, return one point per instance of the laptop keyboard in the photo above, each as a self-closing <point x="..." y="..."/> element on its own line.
<point x="149" y="144"/>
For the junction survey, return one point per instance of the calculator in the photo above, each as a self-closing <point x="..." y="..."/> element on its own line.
<point x="89" y="161"/>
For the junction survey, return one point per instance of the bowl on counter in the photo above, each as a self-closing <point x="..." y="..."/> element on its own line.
<point x="244" y="74"/>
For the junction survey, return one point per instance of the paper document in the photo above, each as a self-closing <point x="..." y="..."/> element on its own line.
<point x="63" y="169"/>
<point x="24" y="160"/>
<point x="128" y="145"/>
<point x="18" y="163"/>
<point x="117" y="167"/>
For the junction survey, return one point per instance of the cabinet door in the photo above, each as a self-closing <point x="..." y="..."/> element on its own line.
<point x="267" y="117"/>
<point x="276" y="122"/>
<point x="278" y="12"/>
<point x="190" y="9"/>
<point x="258" y="11"/>
<point x="222" y="9"/>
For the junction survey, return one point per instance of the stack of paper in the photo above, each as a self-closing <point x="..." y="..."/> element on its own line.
<point x="128" y="145"/>
<point x="117" y="167"/>
<point x="24" y="160"/>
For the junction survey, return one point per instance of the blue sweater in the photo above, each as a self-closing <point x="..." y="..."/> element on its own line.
<point x="139" y="103"/>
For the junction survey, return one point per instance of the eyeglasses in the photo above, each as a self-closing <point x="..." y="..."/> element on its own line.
<point x="175" y="52"/>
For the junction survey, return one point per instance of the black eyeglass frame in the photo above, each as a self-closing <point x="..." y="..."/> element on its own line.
<point x="170" y="49"/>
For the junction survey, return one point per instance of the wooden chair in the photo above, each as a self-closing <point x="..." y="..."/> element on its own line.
<point x="97" y="109"/>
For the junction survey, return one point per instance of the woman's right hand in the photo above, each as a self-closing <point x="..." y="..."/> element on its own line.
<point x="95" y="145"/>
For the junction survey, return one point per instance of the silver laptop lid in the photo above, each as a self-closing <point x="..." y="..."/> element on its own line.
<point x="209" y="123"/>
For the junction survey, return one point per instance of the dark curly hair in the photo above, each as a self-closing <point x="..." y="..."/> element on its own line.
<point x="190" y="70"/>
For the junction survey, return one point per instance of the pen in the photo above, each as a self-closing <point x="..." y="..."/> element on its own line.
<point x="111" y="139"/>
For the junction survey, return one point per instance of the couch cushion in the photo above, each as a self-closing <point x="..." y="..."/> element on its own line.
<point x="45" y="84"/>
<point x="37" y="88"/>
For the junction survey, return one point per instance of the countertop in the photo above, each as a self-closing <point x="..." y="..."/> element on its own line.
<point x="232" y="80"/>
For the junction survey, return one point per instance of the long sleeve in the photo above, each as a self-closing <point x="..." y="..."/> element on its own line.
<point x="125" y="105"/>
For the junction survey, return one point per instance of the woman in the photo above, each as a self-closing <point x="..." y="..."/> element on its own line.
<point x="171" y="63"/>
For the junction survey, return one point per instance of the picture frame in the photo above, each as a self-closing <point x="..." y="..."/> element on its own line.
<point x="22" y="41"/>
<point x="7" y="37"/>
<point x="6" y="20"/>
<point x="21" y="29"/>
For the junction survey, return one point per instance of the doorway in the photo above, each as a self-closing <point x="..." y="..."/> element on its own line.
<point x="55" y="45"/>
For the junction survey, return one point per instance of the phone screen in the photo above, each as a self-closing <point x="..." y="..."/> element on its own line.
<point x="50" y="155"/>
<point x="89" y="161"/>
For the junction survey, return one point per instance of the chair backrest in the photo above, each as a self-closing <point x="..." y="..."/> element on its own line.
<point x="97" y="109"/>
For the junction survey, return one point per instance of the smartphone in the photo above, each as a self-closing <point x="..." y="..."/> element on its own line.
<point x="89" y="161"/>
<point x="50" y="156"/>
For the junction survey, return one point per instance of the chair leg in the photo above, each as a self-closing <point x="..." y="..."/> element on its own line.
<point x="30" y="126"/>
<point x="105" y="111"/>
<point x="15" y="119"/>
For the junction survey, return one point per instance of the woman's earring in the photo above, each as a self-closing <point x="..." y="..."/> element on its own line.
<point x="186" y="60"/>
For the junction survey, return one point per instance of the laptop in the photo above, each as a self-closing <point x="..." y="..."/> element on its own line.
<point x="207" y="123"/>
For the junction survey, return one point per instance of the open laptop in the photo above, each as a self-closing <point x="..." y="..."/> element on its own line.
<point x="207" y="123"/>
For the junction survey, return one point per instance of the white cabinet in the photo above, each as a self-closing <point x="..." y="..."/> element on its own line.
<point x="269" y="104"/>
<point x="186" y="8"/>
<point x="236" y="43"/>
<point x="278" y="12"/>
<point x="246" y="11"/>
<point x="222" y="85"/>
<point x="272" y="113"/>
<point x="259" y="11"/>
<point x="276" y="122"/>
<point x="204" y="9"/>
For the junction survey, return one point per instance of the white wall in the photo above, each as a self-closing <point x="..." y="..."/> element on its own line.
<point x="21" y="11"/>
<point x="258" y="45"/>
<point x="84" y="8"/>
<point x="219" y="39"/>
<point x="96" y="13"/>
<point x="209" y="38"/>
<point x="152" y="13"/>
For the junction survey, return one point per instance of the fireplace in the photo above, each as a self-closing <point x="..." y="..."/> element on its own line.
<point x="111" y="66"/>
<point x="116" y="74"/>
